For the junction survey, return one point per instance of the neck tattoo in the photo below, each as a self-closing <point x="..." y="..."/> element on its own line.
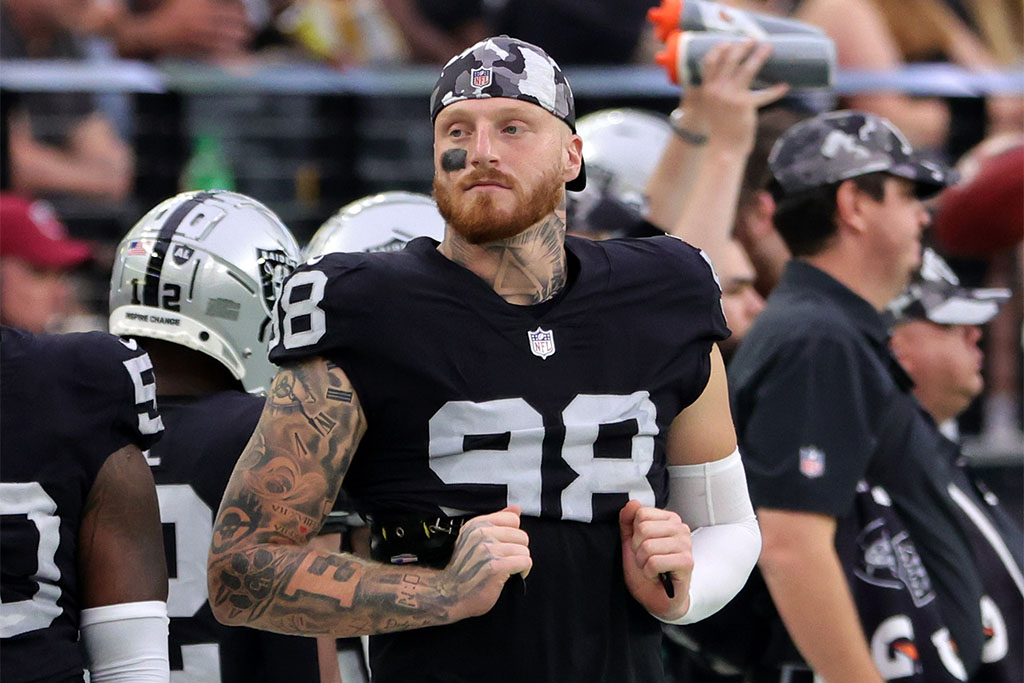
<point x="527" y="269"/>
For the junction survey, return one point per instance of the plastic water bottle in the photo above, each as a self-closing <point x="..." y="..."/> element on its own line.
<point x="208" y="168"/>
<point x="701" y="15"/>
<point x="802" y="61"/>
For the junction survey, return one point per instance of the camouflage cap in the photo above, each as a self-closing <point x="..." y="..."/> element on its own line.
<point x="839" y="145"/>
<point x="507" y="67"/>
<point x="935" y="294"/>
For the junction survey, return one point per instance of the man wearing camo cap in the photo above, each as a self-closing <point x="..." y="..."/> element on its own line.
<point x="534" y="423"/>
<point x="822" y="407"/>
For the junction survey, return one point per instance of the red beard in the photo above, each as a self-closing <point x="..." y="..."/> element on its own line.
<point x="477" y="219"/>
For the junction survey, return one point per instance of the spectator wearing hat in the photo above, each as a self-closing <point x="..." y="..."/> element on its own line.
<point x="822" y="409"/>
<point x="935" y="337"/>
<point x="36" y="256"/>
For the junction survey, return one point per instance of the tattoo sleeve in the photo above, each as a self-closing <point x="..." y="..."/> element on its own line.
<point x="262" y="571"/>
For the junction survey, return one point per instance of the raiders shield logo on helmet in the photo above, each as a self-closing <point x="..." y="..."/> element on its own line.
<point x="275" y="265"/>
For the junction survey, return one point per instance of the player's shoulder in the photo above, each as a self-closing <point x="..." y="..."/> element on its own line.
<point x="639" y="254"/>
<point x="204" y="437"/>
<point x="345" y="298"/>
<point x="359" y="270"/>
<point x="76" y="358"/>
<point x="103" y="351"/>
<point x="663" y="268"/>
<point x="100" y="384"/>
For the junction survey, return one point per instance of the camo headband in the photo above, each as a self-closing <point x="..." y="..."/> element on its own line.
<point x="507" y="67"/>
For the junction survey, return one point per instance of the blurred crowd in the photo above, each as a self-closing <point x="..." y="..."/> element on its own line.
<point x="703" y="173"/>
<point x="86" y="152"/>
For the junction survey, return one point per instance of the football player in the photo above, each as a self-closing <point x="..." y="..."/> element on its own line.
<point x="194" y="283"/>
<point x="510" y="402"/>
<point x="622" y="147"/>
<point x="379" y="222"/>
<point x="82" y="556"/>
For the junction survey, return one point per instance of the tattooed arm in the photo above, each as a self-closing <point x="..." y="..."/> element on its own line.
<point x="264" y="573"/>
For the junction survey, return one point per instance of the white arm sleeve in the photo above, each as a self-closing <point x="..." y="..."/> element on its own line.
<point x="712" y="499"/>
<point x="127" y="642"/>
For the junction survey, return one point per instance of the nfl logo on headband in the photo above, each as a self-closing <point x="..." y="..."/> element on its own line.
<point x="481" y="78"/>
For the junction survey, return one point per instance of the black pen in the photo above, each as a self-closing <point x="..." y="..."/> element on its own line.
<point x="666" y="581"/>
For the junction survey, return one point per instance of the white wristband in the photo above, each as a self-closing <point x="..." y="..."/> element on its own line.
<point x="712" y="499"/>
<point x="127" y="642"/>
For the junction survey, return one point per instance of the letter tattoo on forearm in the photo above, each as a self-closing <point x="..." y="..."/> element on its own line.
<point x="262" y="570"/>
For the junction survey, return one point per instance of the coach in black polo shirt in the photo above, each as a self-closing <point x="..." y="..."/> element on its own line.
<point x="820" y="405"/>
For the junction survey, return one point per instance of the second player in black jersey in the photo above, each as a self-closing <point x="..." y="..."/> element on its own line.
<point x="191" y="466"/>
<point x="194" y="282"/>
<point x="80" y="534"/>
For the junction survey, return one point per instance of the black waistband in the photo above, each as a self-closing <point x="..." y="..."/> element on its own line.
<point x="414" y="540"/>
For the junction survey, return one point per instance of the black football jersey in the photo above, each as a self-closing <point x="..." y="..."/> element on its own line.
<point x="561" y="408"/>
<point x="192" y="465"/>
<point x="66" y="403"/>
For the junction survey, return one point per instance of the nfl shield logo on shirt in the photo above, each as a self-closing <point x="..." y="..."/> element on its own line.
<point x="481" y="78"/>
<point x="542" y="342"/>
<point x="812" y="462"/>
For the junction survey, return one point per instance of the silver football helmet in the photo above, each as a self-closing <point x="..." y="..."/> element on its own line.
<point x="622" y="148"/>
<point x="380" y="222"/>
<point x="203" y="269"/>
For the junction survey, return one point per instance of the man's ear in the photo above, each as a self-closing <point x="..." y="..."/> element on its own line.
<point x="850" y="206"/>
<point x="902" y="337"/>
<point x="573" y="157"/>
<point x="762" y="210"/>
